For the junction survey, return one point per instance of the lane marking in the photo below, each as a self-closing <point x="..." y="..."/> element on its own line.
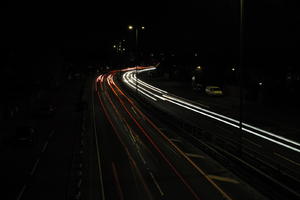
<point x="131" y="134"/>
<point x="120" y="192"/>
<point x="78" y="195"/>
<point x="194" y="155"/>
<point x="35" y="166"/>
<point x="97" y="147"/>
<point x="199" y="103"/>
<point x="79" y="183"/>
<point x="175" y="140"/>
<point x="285" y="158"/>
<point x="156" y="184"/>
<point x="224" y="179"/>
<point x="132" y="162"/>
<point x="224" y="194"/>
<point x="51" y="133"/>
<point x="22" y="192"/>
<point x="187" y="158"/>
<point x="134" y="111"/>
<point x="144" y="161"/>
<point x="157" y="148"/>
<point x="258" y="145"/>
<point x="45" y="147"/>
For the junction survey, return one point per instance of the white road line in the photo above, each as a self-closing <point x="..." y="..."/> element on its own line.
<point x="97" y="147"/>
<point x="134" y="111"/>
<point x="156" y="184"/>
<point x="78" y="195"/>
<point x="45" y="146"/>
<point x="35" y="166"/>
<point x="144" y="161"/>
<point x="251" y="142"/>
<point x="79" y="183"/>
<point x="22" y="192"/>
<point x="287" y="159"/>
<point x="51" y="133"/>
<point x="223" y="179"/>
<point x="192" y="155"/>
<point x="175" y="140"/>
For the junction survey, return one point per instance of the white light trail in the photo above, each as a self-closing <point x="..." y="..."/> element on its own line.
<point x="272" y="140"/>
<point x="197" y="111"/>
<point x="129" y="80"/>
<point x="129" y="83"/>
<point x="150" y="91"/>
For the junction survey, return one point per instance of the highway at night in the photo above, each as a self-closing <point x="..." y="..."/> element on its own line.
<point x="160" y="100"/>
<point x="149" y="146"/>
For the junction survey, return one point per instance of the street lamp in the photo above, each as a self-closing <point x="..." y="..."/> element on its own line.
<point x="241" y="66"/>
<point x="136" y="28"/>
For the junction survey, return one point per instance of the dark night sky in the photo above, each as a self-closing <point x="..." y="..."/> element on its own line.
<point x="76" y="21"/>
<point x="34" y="35"/>
<point x="210" y="25"/>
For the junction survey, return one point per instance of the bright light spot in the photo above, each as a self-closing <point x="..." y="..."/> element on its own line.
<point x="115" y="46"/>
<point x="196" y="54"/>
<point x="199" y="68"/>
<point x="233" y="69"/>
<point x="143" y="27"/>
<point x="123" y="49"/>
<point x="260" y="83"/>
<point x="130" y="27"/>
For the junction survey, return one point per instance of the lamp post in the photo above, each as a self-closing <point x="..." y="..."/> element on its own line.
<point x="136" y="28"/>
<point x="241" y="61"/>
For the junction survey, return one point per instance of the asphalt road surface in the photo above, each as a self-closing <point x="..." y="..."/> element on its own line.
<point x="278" y="153"/>
<point x="140" y="159"/>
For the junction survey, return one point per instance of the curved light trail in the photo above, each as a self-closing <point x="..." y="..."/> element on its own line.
<point x="154" y="93"/>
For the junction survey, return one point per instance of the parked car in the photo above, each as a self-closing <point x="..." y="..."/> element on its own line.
<point x="213" y="91"/>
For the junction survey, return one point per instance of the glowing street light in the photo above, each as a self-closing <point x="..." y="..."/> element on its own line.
<point x="130" y="27"/>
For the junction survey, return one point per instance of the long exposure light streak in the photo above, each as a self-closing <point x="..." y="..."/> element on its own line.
<point x="129" y="77"/>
